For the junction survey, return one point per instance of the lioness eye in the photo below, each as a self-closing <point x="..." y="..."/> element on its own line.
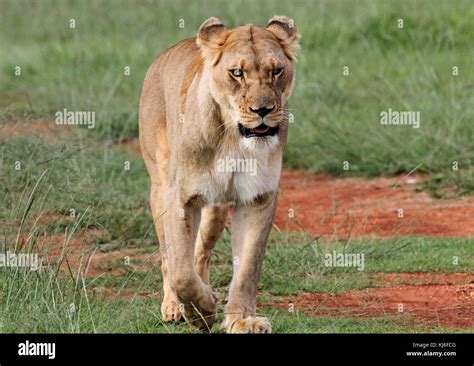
<point x="276" y="72"/>
<point x="237" y="73"/>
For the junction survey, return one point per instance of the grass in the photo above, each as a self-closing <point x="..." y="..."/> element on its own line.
<point x="305" y="261"/>
<point x="89" y="178"/>
<point x="55" y="301"/>
<point x="336" y="117"/>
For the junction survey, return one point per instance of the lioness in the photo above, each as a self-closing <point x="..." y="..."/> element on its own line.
<point x="221" y="96"/>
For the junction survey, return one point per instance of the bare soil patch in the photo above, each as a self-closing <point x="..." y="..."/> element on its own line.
<point x="437" y="304"/>
<point x="358" y="207"/>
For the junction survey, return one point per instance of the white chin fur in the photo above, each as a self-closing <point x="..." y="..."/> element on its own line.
<point x="267" y="143"/>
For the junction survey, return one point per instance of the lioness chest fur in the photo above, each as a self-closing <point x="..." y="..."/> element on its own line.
<point x="239" y="176"/>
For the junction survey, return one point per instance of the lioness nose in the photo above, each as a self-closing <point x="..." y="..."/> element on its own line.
<point x="262" y="112"/>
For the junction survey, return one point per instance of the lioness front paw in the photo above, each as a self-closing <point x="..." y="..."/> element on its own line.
<point x="170" y="311"/>
<point x="251" y="324"/>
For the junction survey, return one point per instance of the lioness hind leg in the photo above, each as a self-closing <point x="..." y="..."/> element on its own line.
<point x="210" y="229"/>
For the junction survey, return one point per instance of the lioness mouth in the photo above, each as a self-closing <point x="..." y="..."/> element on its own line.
<point x="259" y="131"/>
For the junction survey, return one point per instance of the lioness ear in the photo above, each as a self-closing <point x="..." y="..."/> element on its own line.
<point x="210" y="38"/>
<point x="284" y="29"/>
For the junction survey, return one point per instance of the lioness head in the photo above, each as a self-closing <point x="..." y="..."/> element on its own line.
<point x="252" y="73"/>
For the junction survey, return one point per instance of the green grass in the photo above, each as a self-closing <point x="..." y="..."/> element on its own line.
<point x="51" y="304"/>
<point x="304" y="260"/>
<point x="75" y="174"/>
<point x="336" y="116"/>
<point x="57" y="301"/>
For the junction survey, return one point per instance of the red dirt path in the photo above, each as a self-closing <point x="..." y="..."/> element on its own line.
<point x="361" y="208"/>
